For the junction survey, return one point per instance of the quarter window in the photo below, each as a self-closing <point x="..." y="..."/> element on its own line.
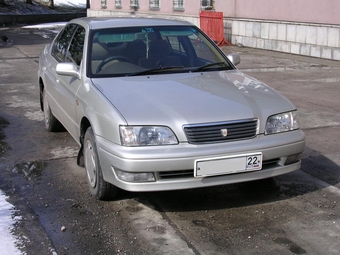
<point x="75" y="52"/>
<point x="60" y="46"/>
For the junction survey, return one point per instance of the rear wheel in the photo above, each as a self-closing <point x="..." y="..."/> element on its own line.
<point x="51" y="122"/>
<point x="98" y="187"/>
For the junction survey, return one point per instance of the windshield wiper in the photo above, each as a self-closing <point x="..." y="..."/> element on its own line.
<point x="201" y="68"/>
<point x="155" y="70"/>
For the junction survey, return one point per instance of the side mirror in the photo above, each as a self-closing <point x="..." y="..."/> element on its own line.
<point x="234" y="58"/>
<point x="68" y="69"/>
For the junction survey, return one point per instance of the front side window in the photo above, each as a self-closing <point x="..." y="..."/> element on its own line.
<point x="60" y="46"/>
<point x="207" y="4"/>
<point x="179" y="5"/>
<point x="75" y="51"/>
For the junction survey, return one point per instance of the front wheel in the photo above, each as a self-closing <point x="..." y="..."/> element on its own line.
<point x="99" y="188"/>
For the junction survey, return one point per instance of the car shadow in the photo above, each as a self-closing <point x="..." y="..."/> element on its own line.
<point x="317" y="172"/>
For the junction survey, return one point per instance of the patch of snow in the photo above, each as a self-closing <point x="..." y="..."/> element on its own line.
<point x="70" y="3"/>
<point x="19" y="7"/>
<point x="76" y="3"/>
<point x="8" y="241"/>
<point x="62" y="152"/>
<point x="47" y="25"/>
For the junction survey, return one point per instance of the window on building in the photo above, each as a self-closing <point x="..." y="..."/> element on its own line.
<point x="179" y="5"/>
<point x="118" y="3"/>
<point x="154" y="4"/>
<point x="207" y="4"/>
<point x="134" y="4"/>
<point x="103" y="4"/>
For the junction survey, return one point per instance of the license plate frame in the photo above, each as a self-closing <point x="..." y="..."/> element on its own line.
<point x="228" y="165"/>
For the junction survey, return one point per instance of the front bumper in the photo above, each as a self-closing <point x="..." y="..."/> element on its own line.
<point x="180" y="159"/>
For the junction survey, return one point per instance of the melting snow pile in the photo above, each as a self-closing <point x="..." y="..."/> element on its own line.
<point x="8" y="242"/>
<point x="19" y="7"/>
<point x="71" y="3"/>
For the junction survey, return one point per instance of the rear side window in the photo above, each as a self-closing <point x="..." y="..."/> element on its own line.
<point x="60" y="45"/>
<point x="175" y="44"/>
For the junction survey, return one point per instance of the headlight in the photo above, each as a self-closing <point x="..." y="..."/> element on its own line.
<point x="282" y="122"/>
<point x="146" y="135"/>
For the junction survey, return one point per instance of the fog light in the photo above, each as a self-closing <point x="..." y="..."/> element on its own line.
<point x="134" y="177"/>
<point x="293" y="159"/>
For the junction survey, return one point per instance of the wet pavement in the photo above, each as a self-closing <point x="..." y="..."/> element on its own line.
<point x="297" y="213"/>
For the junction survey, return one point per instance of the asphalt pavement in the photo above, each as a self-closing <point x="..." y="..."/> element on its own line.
<point x="297" y="213"/>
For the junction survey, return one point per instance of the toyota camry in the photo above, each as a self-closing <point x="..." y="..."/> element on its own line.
<point x="155" y="105"/>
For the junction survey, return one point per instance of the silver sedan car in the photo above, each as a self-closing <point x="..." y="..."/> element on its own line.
<point x="155" y="105"/>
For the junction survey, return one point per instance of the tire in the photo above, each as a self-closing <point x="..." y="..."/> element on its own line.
<point x="51" y="122"/>
<point x="98" y="187"/>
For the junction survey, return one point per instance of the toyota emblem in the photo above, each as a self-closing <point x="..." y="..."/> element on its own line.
<point x="224" y="132"/>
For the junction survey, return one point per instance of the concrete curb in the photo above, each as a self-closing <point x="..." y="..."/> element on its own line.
<point x="6" y="20"/>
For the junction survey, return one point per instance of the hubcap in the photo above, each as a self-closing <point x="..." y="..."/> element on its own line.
<point x="90" y="163"/>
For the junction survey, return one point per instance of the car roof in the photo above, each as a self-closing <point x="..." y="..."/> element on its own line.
<point x="111" y="22"/>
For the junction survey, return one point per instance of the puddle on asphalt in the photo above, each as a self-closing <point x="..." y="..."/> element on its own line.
<point x="29" y="170"/>
<point x="4" y="146"/>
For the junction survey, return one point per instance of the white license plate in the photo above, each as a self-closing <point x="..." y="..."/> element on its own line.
<point x="228" y="165"/>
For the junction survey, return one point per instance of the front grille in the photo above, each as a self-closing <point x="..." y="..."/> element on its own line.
<point x="221" y="132"/>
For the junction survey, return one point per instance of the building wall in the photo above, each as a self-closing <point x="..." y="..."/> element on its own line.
<point x="315" y="40"/>
<point x="304" y="27"/>
<point x="192" y="7"/>
<point x="310" y="11"/>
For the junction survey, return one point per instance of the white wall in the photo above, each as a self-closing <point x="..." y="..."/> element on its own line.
<point x="316" y="40"/>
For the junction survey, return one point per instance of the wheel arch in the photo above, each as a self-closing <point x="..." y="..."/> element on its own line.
<point x="84" y="125"/>
<point x="41" y="89"/>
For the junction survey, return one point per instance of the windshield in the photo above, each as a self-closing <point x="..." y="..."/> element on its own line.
<point x="152" y="50"/>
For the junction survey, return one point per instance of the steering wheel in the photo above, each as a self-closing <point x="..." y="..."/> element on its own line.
<point x="109" y="59"/>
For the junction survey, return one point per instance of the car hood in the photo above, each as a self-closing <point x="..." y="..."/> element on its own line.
<point x="191" y="98"/>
